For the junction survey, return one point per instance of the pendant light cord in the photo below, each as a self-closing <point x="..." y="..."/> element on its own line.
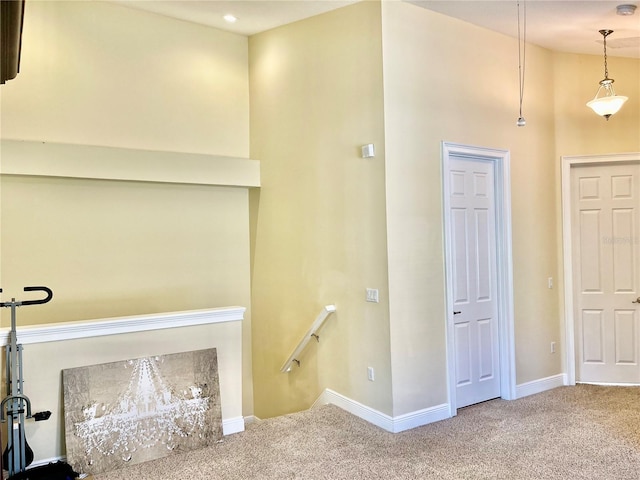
<point x="522" y="46"/>
<point x="605" y="33"/>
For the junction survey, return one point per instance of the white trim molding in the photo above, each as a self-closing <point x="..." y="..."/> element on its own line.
<point x="569" y="162"/>
<point x="382" y="420"/>
<point x="541" y="385"/>
<point x="232" y="425"/>
<point x="252" y="419"/>
<point x="425" y="416"/>
<point x="139" y="323"/>
<point x="609" y="384"/>
<point x="504" y="264"/>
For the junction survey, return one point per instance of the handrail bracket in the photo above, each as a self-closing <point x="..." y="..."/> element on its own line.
<point x="311" y="333"/>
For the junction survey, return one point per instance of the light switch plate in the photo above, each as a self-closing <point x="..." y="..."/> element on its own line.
<point x="368" y="151"/>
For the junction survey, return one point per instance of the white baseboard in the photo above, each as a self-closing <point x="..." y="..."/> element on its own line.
<point x="420" y="417"/>
<point x="382" y="420"/>
<point x="232" y="425"/>
<point x="427" y="415"/>
<point x="609" y="384"/>
<point x="541" y="385"/>
<point x="251" y="419"/>
<point x="47" y="461"/>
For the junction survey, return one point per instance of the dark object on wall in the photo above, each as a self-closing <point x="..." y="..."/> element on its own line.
<point x="11" y="19"/>
<point x="52" y="471"/>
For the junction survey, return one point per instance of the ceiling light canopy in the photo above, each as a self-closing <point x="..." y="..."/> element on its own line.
<point x="626" y="9"/>
<point x="609" y="103"/>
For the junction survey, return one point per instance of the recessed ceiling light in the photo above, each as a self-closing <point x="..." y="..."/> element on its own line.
<point x="625" y="9"/>
<point x="230" y="18"/>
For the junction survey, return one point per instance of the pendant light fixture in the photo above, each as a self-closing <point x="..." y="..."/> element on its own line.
<point x="609" y="103"/>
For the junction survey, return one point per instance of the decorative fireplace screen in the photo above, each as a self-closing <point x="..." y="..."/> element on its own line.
<point x="133" y="411"/>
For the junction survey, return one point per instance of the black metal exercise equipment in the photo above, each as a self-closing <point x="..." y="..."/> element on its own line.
<point x="18" y="455"/>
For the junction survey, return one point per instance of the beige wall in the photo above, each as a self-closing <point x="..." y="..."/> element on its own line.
<point x="326" y="224"/>
<point x="110" y="248"/>
<point x="320" y="230"/>
<point x="448" y="80"/>
<point x="97" y="73"/>
<point x="579" y="131"/>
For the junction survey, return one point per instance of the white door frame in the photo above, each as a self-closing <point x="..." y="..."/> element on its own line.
<point x="567" y="163"/>
<point x="504" y="260"/>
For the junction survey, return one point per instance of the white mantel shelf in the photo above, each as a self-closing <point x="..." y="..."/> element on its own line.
<point x="112" y="326"/>
<point x="45" y="159"/>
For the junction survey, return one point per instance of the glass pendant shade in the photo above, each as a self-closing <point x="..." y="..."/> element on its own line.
<point x="609" y="103"/>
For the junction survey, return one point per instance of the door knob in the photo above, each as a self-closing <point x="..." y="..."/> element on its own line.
<point x="457" y="313"/>
<point x="637" y="300"/>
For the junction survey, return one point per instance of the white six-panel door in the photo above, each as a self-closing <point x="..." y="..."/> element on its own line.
<point x="606" y="272"/>
<point x="472" y="218"/>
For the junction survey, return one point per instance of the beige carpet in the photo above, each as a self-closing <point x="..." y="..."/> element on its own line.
<point x="582" y="432"/>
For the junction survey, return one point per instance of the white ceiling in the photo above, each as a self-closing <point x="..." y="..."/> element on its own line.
<point x="254" y="16"/>
<point x="566" y="25"/>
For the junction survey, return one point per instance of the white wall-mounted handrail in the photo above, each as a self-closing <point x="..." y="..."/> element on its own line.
<point x="315" y="326"/>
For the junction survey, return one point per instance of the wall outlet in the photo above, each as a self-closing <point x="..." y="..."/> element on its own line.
<point x="550" y="282"/>
<point x="372" y="295"/>
<point x="553" y="347"/>
<point x="371" y="374"/>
